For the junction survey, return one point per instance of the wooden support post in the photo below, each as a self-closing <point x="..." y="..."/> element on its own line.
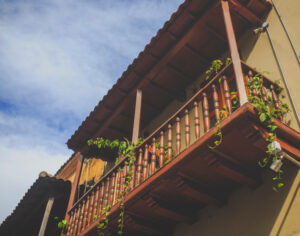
<point x="46" y="216"/>
<point x="234" y="53"/>
<point x="75" y="183"/>
<point x="137" y="116"/>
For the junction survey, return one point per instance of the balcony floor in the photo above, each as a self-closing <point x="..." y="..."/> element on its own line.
<point x="199" y="176"/>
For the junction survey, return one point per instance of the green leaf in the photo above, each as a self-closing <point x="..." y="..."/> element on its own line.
<point x="279" y="185"/>
<point x="262" y="117"/>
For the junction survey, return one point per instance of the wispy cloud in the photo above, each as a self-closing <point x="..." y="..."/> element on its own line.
<point x="58" y="58"/>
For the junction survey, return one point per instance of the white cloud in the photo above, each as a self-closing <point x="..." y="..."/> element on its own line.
<point x="58" y="58"/>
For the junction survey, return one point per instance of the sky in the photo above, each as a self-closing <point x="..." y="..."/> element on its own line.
<point x="58" y="58"/>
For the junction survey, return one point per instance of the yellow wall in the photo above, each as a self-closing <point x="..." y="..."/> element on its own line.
<point x="92" y="169"/>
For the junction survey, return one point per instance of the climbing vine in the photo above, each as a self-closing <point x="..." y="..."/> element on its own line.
<point x="126" y="149"/>
<point x="62" y="225"/>
<point x="266" y="111"/>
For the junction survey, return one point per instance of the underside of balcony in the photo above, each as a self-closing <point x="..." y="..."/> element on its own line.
<point x="199" y="176"/>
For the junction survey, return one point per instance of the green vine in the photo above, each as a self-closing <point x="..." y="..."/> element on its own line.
<point x="218" y="133"/>
<point x="266" y="111"/>
<point x="126" y="149"/>
<point x="215" y="67"/>
<point x="63" y="225"/>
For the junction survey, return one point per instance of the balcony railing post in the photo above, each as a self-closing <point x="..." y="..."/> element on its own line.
<point x="75" y="183"/>
<point x="234" y="53"/>
<point x="137" y="116"/>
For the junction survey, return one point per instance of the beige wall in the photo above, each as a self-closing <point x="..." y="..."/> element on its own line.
<point x="247" y="213"/>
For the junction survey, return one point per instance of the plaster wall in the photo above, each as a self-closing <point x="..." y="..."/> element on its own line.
<point x="248" y="212"/>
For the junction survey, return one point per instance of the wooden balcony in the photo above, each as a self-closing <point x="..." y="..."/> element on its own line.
<point x="176" y="173"/>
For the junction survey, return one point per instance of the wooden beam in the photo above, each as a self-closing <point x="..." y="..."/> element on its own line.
<point x="172" y="35"/>
<point x="46" y="216"/>
<point x="235" y="174"/>
<point x="152" y="106"/>
<point x="119" y="130"/>
<point x="245" y="13"/>
<point x="193" y="190"/>
<point x="197" y="53"/>
<point x="211" y="30"/>
<point x="167" y="91"/>
<point x="164" y="210"/>
<point x="234" y="53"/>
<point x="137" y="116"/>
<point x="181" y="74"/>
<point x="75" y="182"/>
<point x="159" y="65"/>
<point x="143" y="226"/>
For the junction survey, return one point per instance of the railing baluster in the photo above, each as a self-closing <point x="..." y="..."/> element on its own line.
<point x="169" y="142"/>
<point x="133" y="180"/>
<point x="78" y="222"/>
<point x="153" y="157"/>
<point x="124" y="180"/>
<point x="264" y="96"/>
<point x="227" y="95"/>
<point x="112" y="189"/>
<point x="178" y="135"/>
<point x="275" y="100"/>
<point x="139" y="168"/>
<point x="71" y="223"/>
<point x="106" y="195"/>
<point x="216" y="102"/>
<point x="197" y="120"/>
<point x="101" y="199"/>
<point x="119" y="178"/>
<point x="205" y="107"/>
<point x="146" y="163"/>
<point x="187" y="127"/>
<point x="250" y="77"/>
<point x="162" y="150"/>
<point x="86" y="210"/>
<point x="91" y="205"/>
<point x="96" y="201"/>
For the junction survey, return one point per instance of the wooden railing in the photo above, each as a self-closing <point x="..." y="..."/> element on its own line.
<point x="187" y="125"/>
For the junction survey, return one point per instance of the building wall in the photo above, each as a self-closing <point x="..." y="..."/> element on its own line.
<point x="263" y="211"/>
<point x="248" y="212"/>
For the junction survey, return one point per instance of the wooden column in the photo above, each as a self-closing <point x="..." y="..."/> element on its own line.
<point x="75" y="183"/>
<point x="137" y="116"/>
<point x="234" y="53"/>
<point x="46" y="216"/>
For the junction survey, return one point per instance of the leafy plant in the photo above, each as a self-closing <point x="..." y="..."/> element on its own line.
<point x="63" y="225"/>
<point x="216" y="66"/>
<point x="266" y="111"/>
<point x="126" y="149"/>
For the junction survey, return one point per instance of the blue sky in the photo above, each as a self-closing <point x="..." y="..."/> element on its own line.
<point x="58" y="58"/>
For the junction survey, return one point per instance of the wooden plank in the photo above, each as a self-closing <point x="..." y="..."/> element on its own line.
<point x="166" y="211"/>
<point x="234" y="53"/>
<point x="193" y="190"/>
<point x="235" y="174"/>
<point x="137" y="116"/>
<point x="75" y="182"/>
<point x="46" y="216"/>
<point x="244" y="12"/>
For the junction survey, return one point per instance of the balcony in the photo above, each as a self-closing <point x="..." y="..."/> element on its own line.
<point x="176" y="173"/>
